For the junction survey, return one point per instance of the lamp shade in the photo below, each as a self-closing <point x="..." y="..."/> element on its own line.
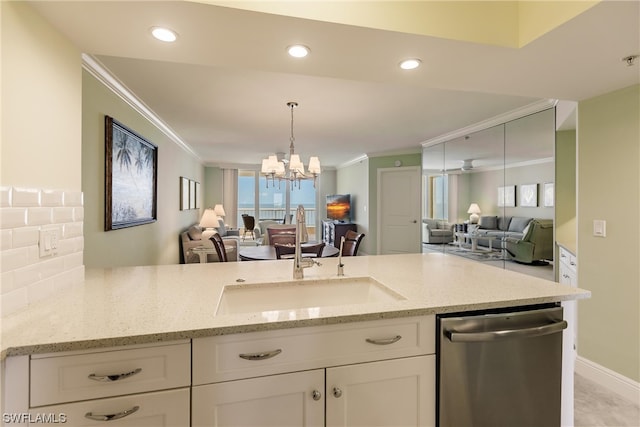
<point x="209" y="219"/>
<point x="314" y="165"/>
<point x="219" y="210"/>
<point x="474" y="209"/>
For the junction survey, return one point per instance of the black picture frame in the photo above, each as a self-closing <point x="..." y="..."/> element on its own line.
<point x="131" y="177"/>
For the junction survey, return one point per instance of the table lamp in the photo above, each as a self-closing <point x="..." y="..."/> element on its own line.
<point x="219" y="210"/>
<point x="209" y="221"/>
<point x="474" y="210"/>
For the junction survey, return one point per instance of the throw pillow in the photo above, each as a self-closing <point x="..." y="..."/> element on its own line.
<point x="222" y="229"/>
<point x="488" y="222"/>
<point x="525" y="231"/>
<point x="518" y="223"/>
<point x="195" y="232"/>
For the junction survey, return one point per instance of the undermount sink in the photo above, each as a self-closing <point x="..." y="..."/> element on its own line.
<point x="259" y="297"/>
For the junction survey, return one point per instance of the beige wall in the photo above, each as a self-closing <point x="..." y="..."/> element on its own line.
<point x="149" y="244"/>
<point x="565" y="188"/>
<point x="354" y="179"/>
<point x="609" y="189"/>
<point x="41" y="103"/>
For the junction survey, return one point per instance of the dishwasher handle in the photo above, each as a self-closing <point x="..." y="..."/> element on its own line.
<point x="506" y="334"/>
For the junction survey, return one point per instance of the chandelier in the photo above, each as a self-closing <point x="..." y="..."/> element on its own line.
<point x="273" y="167"/>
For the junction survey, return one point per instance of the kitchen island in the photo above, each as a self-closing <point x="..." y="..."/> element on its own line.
<point x="140" y="307"/>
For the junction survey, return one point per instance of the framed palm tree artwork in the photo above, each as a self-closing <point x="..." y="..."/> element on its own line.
<point x="131" y="164"/>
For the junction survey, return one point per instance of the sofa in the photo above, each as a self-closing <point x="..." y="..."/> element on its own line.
<point x="436" y="231"/>
<point x="500" y="227"/>
<point x="535" y="246"/>
<point x="192" y="238"/>
<point x="261" y="231"/>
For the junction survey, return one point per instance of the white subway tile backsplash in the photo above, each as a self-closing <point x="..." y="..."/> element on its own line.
<point x="13" y="217"/>
<point x="52" y="198"/>
<point x="6" y="239"/>
<point x="78" y="213"/>
<point x="62" y="215"/>
<point x="13" y="259"/>
<point x="27" y="278"/>
<point x="5" y="197"/>
<point x="72" y="230"/>
<point x="25" y="236"/>
<point x="39" y="216"/>
<point x="25" y="197"/>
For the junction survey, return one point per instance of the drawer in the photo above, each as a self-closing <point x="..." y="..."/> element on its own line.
<point x="569" y="259"/>
<point x="67" y="378"/>
<point x="229" y="357"/>
<point x="158" y="409"/>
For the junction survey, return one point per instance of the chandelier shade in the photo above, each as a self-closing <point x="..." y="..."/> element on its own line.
<point x="274" y="168"/>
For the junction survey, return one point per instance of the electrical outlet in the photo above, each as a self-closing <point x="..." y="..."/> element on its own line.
<point x="48" y="241"/>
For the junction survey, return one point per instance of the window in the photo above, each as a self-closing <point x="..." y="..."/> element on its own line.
<point x="274" y="201"/>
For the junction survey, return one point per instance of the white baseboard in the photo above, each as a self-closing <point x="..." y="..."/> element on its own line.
<point x="613" y="381"/>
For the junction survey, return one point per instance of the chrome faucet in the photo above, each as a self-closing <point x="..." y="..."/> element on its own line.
<point x="340" y="264"/>
<point x="300" y="263"/>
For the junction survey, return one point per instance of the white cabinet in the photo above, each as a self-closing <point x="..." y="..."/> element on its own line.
<point x="295" y="399"/>
<point x="398" y="392"/>
<point x="366" y="373"/>
<point x="568" y="275"/>
<point x="145" y="385"/>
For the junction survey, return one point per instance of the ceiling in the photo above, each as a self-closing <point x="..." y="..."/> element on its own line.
<point x="223" y="86"/>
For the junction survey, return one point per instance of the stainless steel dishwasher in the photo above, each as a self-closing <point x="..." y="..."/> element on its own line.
<point x="500" y="369"/>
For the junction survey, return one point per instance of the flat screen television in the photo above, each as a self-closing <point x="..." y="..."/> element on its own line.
<point x="339" y="207"/>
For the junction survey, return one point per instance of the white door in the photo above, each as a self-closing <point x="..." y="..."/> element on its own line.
<point x="399" y="210"/>
<point x="392" y="393"/>
<point x="295" y="399"/>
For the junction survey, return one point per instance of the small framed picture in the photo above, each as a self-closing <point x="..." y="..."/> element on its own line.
<point x="507" y="196"/>
<point x="548" y="194"/>
<point x="529" y="195"/>
<point x="184" y="193"/>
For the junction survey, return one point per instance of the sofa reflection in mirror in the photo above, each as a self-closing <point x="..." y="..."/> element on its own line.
<point x="536" y="244"/>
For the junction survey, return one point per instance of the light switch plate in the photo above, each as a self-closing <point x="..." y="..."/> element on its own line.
<point x="599" y="228"/>
<point x="48" y="241"/>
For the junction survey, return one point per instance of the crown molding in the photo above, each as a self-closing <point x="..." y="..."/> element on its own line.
<point x="102" y="74"/>
<point x="500" y="119"/>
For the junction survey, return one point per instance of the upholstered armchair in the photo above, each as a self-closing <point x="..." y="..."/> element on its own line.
<point x="436" y="231"/>
<point x="536" y="244"/>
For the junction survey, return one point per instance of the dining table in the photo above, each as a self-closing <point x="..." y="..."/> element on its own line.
<point x="268" y="252"/>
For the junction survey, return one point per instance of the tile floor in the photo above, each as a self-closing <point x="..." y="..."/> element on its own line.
<point x="595" y="406"/>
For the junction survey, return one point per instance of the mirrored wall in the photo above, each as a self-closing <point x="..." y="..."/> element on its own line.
<point x="489" y="195"/>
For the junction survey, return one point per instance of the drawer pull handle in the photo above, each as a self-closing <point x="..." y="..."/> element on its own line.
<point x="384" y="341"/>
<point x="316" y="395"/>
<point x="337" y="392"/>
<point x="260" y="356"/>
<point x="115" y="377"/>
<point x="111" y="417"/>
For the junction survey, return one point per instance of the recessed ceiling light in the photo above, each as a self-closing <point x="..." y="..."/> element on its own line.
<point x="298" y="51"/>
<point x="164" y="34"/>
<point x="410" y="64"/>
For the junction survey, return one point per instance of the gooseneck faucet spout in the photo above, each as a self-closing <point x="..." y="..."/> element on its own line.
<point x="300" y="263"/>
<point x="340" y="264"/>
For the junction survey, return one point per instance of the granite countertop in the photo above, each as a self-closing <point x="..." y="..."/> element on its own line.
<point x="135" y="305"/>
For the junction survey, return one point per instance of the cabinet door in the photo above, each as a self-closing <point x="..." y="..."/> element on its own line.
<point x="394" y="393"/>
<point x="295" y="399"/>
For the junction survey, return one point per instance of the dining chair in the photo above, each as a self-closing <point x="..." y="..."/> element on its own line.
<point x="282" y="239"/>
<point x="316" y="249"/>
<point x="351" y="243"/>
<point x="249" y="224"/>
<point x="218" y="244"/>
